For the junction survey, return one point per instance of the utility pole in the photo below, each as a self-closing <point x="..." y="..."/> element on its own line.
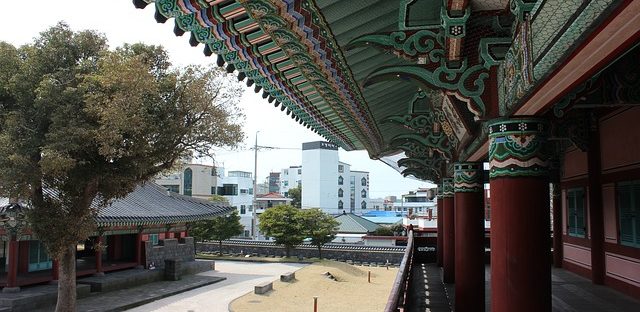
<point x="254" y="222"/>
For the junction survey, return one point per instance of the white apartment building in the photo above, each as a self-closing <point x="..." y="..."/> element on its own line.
<point x="202" y="181"/>
<point x="329" y="184"/>
<point x="290" y="178"/>
<point x="420" y="202"/>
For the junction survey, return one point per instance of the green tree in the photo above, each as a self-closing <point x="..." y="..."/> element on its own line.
<point x="320" y="227"/>
<point x="295" y="194"/>
<point x="219" y="198"/>
<point x="284" y="224"/>
<point x="81" y="125"/>
<point x="383" y="231"/>
<point x="218" y="229"/>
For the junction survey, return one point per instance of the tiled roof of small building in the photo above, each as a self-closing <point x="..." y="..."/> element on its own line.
<point x="152" y="204"/>
<point x="350" y="223"/>
<point x="272" y="195"/>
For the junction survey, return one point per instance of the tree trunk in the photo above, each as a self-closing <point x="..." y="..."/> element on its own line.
<point x="220" y="247"/>
<point x="67" y="281"/>
<point x="320" y="252"/>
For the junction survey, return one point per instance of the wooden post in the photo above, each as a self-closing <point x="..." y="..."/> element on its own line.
<point x="139" y="248"/>
<point x="315" y="303"/>
<point x="369" y="277"/>
<point x="469" y="225"/>
<point x="98" y="255"/>
<point x="12" y="274"/>
<point x="449" y="237"/>
<point x="519" y="177"/>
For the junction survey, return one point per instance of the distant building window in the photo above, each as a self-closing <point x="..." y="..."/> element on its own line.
<point x="172" y="188"/>
<point x="363" y="205"/>
<point x="250" y="207"/>
<point x="188" y="179"/>
<point x="340" y="205"/>
<point x="576" y="212"/>
<point x="299" y="182"/>
<point x="363" y="181"/>
<point x="243" y="209"/>
<point x="213" y="190"/>
<point x="340" y="193"/>
<point x="244" y="191"/>
<point x="286" y="183"/>
<point x="286" y="194"/>
<point x="629" y="212"/>
<point x="299" y="171"/>
<point x="246" y="233"/>
<point x="363" y="194"/>
<point x="229" y="190"/>
<point x="340" y="168"/>
<point x="251" y="191"/>
<point x="340" y="180"/>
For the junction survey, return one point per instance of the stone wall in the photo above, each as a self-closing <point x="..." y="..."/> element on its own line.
<point x="355" y="253"/>
<point x="169" y="249"/>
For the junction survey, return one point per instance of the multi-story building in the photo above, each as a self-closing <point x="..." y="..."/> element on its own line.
<point x="420" y="202"/>
<point x="290" y="178"/>
<point x="274" y="182"/>
<point x="330" y="184"/>
<point x="192" y="180"/>
<point x="203" y="181"/>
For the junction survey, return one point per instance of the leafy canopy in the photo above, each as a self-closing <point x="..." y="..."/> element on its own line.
<point x="218" y="228"/>
<point x="82" y="124"/>
<point x="284" y="223"/>
<point x="295" y="194"/>
<point x="319" y="226"/>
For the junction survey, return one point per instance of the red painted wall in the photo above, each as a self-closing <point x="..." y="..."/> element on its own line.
<point x="620" y="157"/>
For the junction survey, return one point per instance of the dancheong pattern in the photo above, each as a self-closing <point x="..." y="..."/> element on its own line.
<point x="467" y="177"/>
<point x="517" y="148"/>
<point x="447" y="187"/>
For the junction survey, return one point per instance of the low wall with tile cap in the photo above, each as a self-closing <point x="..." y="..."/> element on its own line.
<point x="341" y="252"/>
<point x="169" y="249"/>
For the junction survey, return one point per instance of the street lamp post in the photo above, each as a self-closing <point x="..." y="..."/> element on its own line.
<point x="254" y="222"/>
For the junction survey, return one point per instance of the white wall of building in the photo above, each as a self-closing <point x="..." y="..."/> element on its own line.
<point x="203" y="180"/>
<point x="320" y="176"/>
<point x="290" y="178"/>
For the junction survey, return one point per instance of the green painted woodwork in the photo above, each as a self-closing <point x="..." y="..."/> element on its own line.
<point x="447" y="188"/>
<point x="518" y="147"/>
<point x="455" y="27"/>
<point x="467" y="177"/>
<point x="428" y="14"/>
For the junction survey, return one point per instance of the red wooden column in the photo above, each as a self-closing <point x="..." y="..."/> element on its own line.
<point x="448" y="260"/>
<point x="596" y="214"/>
<point x="440" y="217"/>
<point x="139" y="243"/>
<point x="55" y="270"/>
<point x="520" y="260"/>
<point x="557" y="225"/>
<point x="12" y="273"/>
<point x="98" y="252"/>
<point x="469" y="228"/>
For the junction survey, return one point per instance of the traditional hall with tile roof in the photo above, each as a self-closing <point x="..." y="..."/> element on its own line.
<point x="131" y="230"/>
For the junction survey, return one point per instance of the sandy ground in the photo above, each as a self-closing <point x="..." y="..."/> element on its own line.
<point x="350" y="292"/>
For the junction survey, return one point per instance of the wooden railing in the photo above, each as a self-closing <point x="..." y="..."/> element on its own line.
<point x="398" y="296"/>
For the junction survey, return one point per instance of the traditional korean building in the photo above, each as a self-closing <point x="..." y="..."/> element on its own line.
<point x="131" y="233"/>
<point x="545" y="91"/>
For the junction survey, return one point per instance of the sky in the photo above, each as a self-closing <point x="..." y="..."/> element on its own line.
<point x="122" y="23"/>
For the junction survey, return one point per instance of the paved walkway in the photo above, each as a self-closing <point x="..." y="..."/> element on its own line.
<point x="241" y="277"/>
<point x="571" y="293"/>
<point x="119" y="300"/>
<point x="427" y="291"/>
